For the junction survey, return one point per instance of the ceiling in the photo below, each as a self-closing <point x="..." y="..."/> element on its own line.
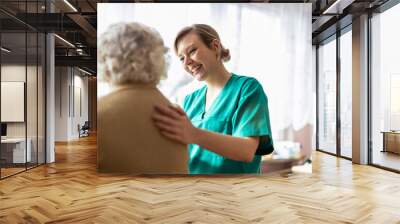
<point x="76" y="26"/>
<point x="76" y="23"/>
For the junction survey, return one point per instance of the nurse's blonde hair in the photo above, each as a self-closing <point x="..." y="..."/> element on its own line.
<point x="207" y="35"/>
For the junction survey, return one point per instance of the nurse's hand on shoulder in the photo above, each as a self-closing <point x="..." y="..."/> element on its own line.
<point x="173" y="123"/>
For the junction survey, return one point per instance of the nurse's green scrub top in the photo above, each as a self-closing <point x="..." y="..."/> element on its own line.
<point x="241" y="110"/>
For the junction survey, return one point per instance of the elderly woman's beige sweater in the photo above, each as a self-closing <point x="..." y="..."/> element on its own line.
<point x="127" y="139"/>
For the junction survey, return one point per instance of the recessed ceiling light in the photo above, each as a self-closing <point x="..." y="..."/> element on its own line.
<point x="338" y="6"/>
<point x="5" y="49"/>
<point x="64" y="40"/>
<point x="70" y="5"/>
<point x="86" y="72"/>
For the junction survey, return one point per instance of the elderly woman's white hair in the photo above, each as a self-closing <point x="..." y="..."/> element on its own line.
<point x="131" y="53"/>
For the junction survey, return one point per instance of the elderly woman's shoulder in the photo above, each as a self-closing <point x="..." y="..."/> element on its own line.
<point x="130" y="94"/>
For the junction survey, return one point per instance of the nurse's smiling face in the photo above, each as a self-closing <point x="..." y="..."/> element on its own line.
<point x="197" y="59"/>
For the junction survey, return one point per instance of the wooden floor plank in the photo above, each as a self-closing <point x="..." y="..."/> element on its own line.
<point x="71" y="191"/>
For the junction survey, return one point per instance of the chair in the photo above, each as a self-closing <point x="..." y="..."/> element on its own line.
<point x="84" y="130"/>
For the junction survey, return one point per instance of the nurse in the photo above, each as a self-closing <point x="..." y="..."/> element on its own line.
<point x="226" y="122"/>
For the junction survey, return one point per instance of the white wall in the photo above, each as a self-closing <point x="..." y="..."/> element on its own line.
<point x="61" y="103"/>
<point x="71" y="94"/>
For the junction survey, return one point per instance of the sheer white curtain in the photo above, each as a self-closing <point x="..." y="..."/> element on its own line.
<point x="271" y="42"/>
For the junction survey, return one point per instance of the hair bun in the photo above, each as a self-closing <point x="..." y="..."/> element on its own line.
<point x="225" y="54"/>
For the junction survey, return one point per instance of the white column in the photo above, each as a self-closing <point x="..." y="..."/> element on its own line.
<point x="50" y="92"/>
<point x="360" y="90"/>
<point x="50" y="99"/>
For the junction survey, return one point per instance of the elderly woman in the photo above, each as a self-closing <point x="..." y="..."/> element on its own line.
<point x="132" y="60"/>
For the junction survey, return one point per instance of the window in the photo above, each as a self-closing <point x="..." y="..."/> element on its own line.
<point x="385" y="88"/>
<point x="22" y="67"/>
<point x="327" y="96"/>
<point x="346" y="94"/>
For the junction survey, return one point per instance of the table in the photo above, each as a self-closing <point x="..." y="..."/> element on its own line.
<point x="13" y="150"/>
<point x="391" y="141"/>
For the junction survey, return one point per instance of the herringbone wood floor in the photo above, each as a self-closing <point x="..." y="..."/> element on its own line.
<point x="71" y="191"/>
